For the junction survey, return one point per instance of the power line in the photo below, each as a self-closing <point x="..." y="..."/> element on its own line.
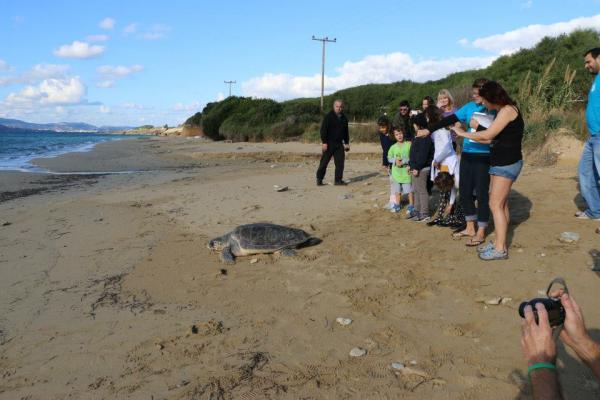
<point x="323" y="41"/>
<point x="230" y="83"/>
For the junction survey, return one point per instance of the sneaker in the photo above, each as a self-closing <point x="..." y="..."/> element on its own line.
<point x="425" y="218"/>
<point x="584" y="215"/>
<point x="493" y="254"/>
<point x="482" y="248"/>
<point x="320" y="182"/>
<point x="388" y="206"/>
<point x="395" y="208"/>
<point x="340" y="183"/>
<point x="410" y="210"/>
<point x="413" y="217"/>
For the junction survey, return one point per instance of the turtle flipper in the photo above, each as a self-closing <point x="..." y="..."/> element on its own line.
<point x="288" y="252"/>
<point x="227" y="256"/>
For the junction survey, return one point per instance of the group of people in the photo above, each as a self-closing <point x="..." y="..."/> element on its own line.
<point x="473" y="177"/>
<point x="420" y="147"/>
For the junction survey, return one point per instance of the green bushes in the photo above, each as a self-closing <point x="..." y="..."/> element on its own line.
<point x="543" y="80"/>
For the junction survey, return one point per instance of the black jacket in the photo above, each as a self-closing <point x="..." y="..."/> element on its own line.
<point x="421" y="153"/>
<point x="386" y="143"/>
<point x="334" y="130"/>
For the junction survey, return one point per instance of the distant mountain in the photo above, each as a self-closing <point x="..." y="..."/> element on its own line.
<point x="61" y="126"/>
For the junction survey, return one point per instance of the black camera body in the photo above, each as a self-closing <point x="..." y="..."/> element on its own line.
<point x="555" y="309"/>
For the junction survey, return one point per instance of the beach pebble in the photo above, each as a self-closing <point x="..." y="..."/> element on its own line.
<point x="519" y="250"/>
<point x="343" y="321"/>
<point x="5" y="223"/>
<point x="273" y="165"/>
<point x="345" y="196"/>
<point x="278" y="188"/>
<point x="357" y="352"/>
<point x="254" y="261"/>
<point x="413" y="362"/>
<point x="505" y="300"/>
<point x="569" y="237"/>
<point x="494" y="301"/>
<point x="397" y="365"/>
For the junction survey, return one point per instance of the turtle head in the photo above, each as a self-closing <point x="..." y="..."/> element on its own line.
<point x="217" y="244"/>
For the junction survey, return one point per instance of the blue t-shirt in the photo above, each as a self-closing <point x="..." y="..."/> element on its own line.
<point x="592" y="112"/>
<point x="464" y="114"/>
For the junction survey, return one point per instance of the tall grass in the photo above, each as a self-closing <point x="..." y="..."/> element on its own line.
<point x="547" y="107"/>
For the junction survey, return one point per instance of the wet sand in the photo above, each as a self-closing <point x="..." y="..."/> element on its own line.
<point x="107" y="288"/>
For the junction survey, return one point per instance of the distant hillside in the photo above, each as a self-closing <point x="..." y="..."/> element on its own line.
<point x="61" y="126"/>
<point x="239" y="118"/>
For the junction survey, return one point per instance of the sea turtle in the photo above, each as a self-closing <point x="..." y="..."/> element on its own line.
<point x="260" y="238"/>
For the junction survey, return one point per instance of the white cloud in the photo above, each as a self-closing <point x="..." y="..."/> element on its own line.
<point x="156" y="32"/>
<point x="527" y="4"/>
<point x="512" y="41"/>
<point x="18" y="19"/>
<point x="220" y="96"/>
<point x="50" y="92"/>
<point x="110" y="74"/>
<point x="133" y="106"/>
<point x="107" y="23"/>
<point x="4" y="66"/>
<point x="105" y="84"/>
<point x="119" y="71"/>
<point x="372" y="69"/>
<point x="79" y="49"/>
<point x="186" y="107"/>
<point x="130" y="29"/>
<point x="38" y="73"/>
<point x="97" y="38"/>
<point x="104" y="109"/>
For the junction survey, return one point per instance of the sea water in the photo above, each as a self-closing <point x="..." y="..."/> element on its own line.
<point x="18" y="148"/>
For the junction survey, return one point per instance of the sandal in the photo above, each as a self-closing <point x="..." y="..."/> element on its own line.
<point x="474" y="242"/>
<point x="461" y="234"/>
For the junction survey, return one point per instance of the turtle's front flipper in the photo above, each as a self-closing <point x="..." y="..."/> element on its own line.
<point x="227" y="256"/>
<point x="288" y="252"/>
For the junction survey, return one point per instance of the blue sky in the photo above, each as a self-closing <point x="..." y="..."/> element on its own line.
<point x="133" y="62"/>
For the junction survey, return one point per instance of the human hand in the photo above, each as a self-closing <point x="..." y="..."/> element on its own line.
<point x="474" y="123"/>
<point x="414" y="172"/>
<point x="459" y="131"/>
<point x="347" y="147"/>
<point x="536" y="338"/>
<point x="324" y="146"/>
<point x="437" y="165"/>
<point x="574" y="333"/>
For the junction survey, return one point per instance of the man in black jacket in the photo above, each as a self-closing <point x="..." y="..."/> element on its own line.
<point x="334" y="141"/>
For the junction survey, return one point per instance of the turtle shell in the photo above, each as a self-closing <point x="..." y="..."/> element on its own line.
<point x="265" y="237"/>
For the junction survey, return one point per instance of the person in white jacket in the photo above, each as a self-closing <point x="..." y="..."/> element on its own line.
<point x="444" y="171"/>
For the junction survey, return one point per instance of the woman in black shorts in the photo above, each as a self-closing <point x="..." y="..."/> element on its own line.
<point x="504" y="135"/>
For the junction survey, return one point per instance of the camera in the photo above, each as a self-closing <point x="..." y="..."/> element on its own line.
<point x="555" y="309"/>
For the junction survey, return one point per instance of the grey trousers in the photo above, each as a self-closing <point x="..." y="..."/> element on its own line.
<point x="420" y="192"/>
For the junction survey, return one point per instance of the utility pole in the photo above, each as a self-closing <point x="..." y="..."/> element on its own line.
<point x="323" y="41"/>
<point x="230" y="83"/>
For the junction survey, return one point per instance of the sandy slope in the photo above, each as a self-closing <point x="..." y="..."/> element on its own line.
<point x="107" y="289"/>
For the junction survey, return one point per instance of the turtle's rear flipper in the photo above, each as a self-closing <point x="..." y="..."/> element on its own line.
<point x="287" y="252"/>
<point x="227" y="256"/>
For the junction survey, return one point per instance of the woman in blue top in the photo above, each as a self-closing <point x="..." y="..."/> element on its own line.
<point x="505" y="135"/>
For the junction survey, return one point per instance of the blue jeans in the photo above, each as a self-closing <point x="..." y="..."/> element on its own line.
<point x="589" y="167"/>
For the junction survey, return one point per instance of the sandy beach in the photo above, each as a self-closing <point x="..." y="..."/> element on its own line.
<point x="108" y="290"/>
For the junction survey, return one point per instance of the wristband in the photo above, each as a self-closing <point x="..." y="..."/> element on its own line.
<point x="545" y="365"/>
